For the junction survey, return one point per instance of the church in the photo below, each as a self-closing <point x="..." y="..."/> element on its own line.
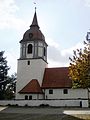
<point x="36" y="83"/>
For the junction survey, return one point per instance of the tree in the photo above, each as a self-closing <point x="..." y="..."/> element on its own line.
<point x="7" y="83"/>
<point x="3" y="74"/>
<point x="11" y="87"/>
<point x="79" y="69"/>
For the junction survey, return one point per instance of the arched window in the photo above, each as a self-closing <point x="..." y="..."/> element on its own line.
<point x="30" y="97"/>
<point x="26" y="97"/>
<point x="29" y="51"/>
<point x="44" y="51"/>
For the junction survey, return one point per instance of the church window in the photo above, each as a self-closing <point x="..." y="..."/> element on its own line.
<point x="28" y="62"/>
<point x="50" y="91"/>
<point x="26" y="97"/>
<point x="29" y="51"/>
<point x="30" y="97"/>
<point x="44" y="51"/>
<point x="65" y="91"/>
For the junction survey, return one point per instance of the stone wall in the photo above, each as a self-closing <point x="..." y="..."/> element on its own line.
<point x="54" y="103"/>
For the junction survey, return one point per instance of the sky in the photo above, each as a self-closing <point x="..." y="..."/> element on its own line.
<point x="64" y="24"/>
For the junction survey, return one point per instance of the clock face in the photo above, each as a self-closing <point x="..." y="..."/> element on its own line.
<point x="30" y="35"/>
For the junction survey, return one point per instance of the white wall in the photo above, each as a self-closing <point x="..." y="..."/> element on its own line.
<point x="26" y="72"/>
<point x="40" y="49"/>
<point x="57" y="103"/>
<point x="72" y="94"/>
<point x="34" y="96"/>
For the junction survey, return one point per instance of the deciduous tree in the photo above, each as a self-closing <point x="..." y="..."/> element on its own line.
<point x="79" y="69"/>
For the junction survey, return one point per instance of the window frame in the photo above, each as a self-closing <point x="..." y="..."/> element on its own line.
<point x="28" y="62"/>
<point x="30" y="97"/>
<point x="65" y="91"/>
<point x="26" y="97"/>
<point x="29" y="48"/>
<point x="50" y="91"/>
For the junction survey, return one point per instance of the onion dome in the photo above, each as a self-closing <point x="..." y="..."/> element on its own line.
<point x="34" y="32"/>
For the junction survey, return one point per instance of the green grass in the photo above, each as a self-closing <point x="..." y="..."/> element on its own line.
<point x="15" y="116"/>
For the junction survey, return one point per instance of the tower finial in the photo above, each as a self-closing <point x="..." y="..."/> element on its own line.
<point x="35" y="6"/>
<point x="35" y="21"/>
<point x="35" y="9"/>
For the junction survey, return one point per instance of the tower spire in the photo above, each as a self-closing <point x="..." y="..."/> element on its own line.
<point x="35" y="21"/>
<point x="35" y="9"/>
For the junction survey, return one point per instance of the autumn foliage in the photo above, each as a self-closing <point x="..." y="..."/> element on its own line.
<point x="79" y="69"/>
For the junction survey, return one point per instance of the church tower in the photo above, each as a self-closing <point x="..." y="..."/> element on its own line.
<point x="33" y="58"/>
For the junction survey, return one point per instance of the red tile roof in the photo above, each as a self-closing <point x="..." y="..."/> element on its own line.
<point x="32" y="87"/>
<point x="56" y="78"/>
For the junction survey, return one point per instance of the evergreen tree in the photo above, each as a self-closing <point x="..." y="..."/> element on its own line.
<point x="79" y="69"/>
<point x="3" y="74"/>
<point x="11" y="87"/>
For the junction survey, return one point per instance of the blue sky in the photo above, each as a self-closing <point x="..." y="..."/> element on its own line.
<point x="63" y="22"/>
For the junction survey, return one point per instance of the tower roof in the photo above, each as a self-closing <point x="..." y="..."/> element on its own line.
<point x="35" y="21"/>
<point x="34" y="33"/>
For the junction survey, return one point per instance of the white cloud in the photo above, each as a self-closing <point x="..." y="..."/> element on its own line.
<point x="52" y="43"/>
<point x="11" y="57"/>
<point x="87" y="3"/>
<point x="80" y="2"/>
<point x="8" y="18"/>
<point x="70" y="50"/>
<point x="58" y="57"/>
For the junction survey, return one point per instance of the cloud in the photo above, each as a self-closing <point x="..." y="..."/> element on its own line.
<point x="84" y="2"/>
<point x="87" y="3"/>
<point x="70" y="50"/>
<point x="8" y="18"/>
<point x="51" y="42"/>
<point x="58" y="57"/>
<point x="11" y="57"/>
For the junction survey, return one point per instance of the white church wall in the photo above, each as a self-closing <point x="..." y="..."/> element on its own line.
<point x="34" y="96"/>
<point x="53" y="103"/>
<point x="72" y="94"/>
<point x="40" y="51"/>
<point x="28" y="72"/>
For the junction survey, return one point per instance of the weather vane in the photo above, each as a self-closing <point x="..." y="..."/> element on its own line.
<point x="35" y="5"/>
